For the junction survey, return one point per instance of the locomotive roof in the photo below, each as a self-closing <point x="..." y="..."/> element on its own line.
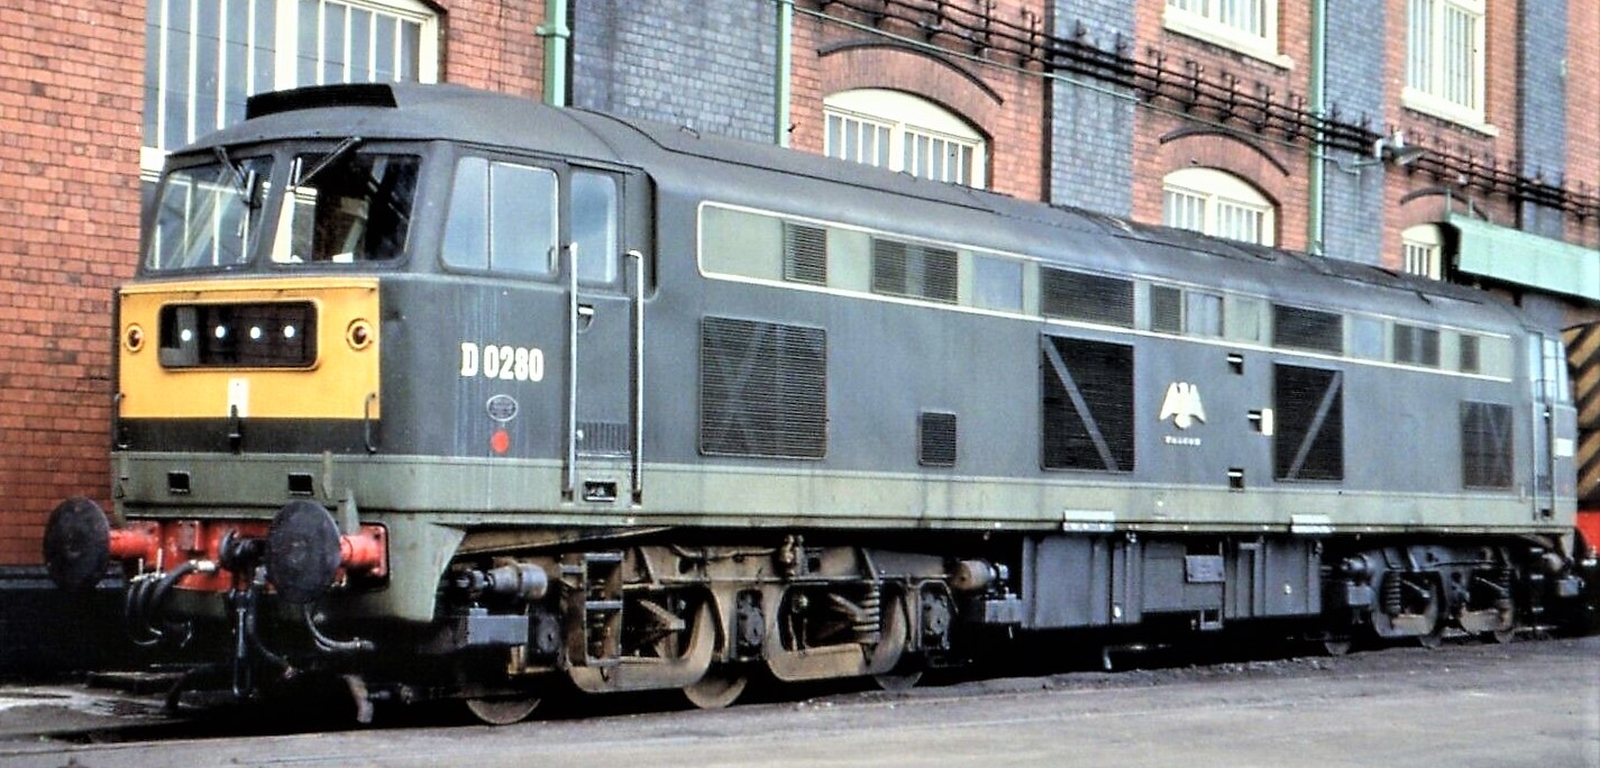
<point x="411" y="111"/>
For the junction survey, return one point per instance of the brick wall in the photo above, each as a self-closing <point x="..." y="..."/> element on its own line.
<point x="1007" y="107"/>
<point x="1542" y="117"/>
<point x="1165" y="141"/>
<point x="1355" y="93"/>
<point x="707" y="65"/>
<point x="1091" y="142"/>
<point x="494" y="45"/>
<point x="1583" y="112"/>
<point x="71" y="78"/>
<point x="1415" y="198"/>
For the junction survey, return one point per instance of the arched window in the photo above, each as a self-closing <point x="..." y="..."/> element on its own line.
<point x="1218" y="203"/>
<point x="1422" y="250"/>
<point x="901" y="132"/>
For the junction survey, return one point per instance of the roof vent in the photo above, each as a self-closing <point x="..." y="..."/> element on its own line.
<point x="320" y="96"/>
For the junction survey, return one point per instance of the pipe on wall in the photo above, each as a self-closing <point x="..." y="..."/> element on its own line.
<point x="1316" y="185"/>
<point x="556" y="33"/>
<point x="783" y="87"/>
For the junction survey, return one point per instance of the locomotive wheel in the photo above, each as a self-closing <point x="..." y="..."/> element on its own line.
<point x="1337" y="646"/>
<point x="1507" y="633"/>
<point x="898" y="682"/>
<point x="720" y="687"/>
<point x="1434" y="637"/>
<point x="902" y="676"/>
<point x="502" y="710"/>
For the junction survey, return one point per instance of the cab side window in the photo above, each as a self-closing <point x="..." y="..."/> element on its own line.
<point x="502" y="218"/>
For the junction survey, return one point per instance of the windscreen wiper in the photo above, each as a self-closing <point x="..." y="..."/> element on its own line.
<point x="244" y="182"/>
<point x="328" y="159"/>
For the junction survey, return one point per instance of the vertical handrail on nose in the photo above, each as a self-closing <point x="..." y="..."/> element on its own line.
<point x="570" y="479"/>
<point x="636" y="469"/>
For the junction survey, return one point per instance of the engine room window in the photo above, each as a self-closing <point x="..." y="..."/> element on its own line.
<point x="1202" y="314"/>
<point x="997" y="283"/>
<point x="740" y="243"/>
<point x="1366" y="338"/>
<point x="502" y="218"/>
<point x="1243" y="318"/>
<point x="208" y="215"/>
<point x="345" y="207"/>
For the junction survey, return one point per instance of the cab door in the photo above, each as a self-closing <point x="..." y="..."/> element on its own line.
<point x="603" y="332"/>
<point x="1554" y="429"/>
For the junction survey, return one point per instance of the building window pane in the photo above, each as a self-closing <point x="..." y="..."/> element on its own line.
<point x="1422" y="252"/>
<point x="1247" y="26"/>
<point x="1445" y="57"/>
<point x="902" y="132"/>
<point x="1217" y="203"/>
<point x="204" y="58"/>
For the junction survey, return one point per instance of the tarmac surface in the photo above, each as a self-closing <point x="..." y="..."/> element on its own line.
<point x="1467" y="705"/>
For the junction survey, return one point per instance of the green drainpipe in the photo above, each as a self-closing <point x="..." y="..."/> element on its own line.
<point x="556" y="33"/>
<point x="785" y="73"/>
<point x="1316" y="186"/>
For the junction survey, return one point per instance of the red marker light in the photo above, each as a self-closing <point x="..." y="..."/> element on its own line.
<point x="500" y="441"/>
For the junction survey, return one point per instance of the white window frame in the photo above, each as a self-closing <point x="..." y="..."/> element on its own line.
<point x="1218" y="203"/>
<point x="908" y="123"/>
<point x="285" y="19"/>
<point x="1434" y="84"/>
<point x="1247" y="26"/>
<point x="1422" y="251"/>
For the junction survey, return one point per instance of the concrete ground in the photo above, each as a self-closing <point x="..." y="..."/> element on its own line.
<point x="1464" y="706"/>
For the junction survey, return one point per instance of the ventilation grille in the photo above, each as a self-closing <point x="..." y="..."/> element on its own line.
<point x="1088" y="405"/>
<point x="603" y="438"/>
<point x="1079" y="296"/>
<point x="915" y="271"/>
<point x="937" y="439"/>
<point x="805" y="254"/>
<point x="1166" y="309"/>
<point x="1309" y="441"/>
<point x="1486" y="453"/>
<point x="1300" y="328"/>
<point x="763" y="389"/>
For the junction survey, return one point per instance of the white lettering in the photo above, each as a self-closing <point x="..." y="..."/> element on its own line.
<point x="502" y="362"/>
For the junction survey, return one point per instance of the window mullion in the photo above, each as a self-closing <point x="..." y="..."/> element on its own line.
<point x="285" y="69"/>
<point x="192" y="76"/>
<point x="163" y="67"/>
